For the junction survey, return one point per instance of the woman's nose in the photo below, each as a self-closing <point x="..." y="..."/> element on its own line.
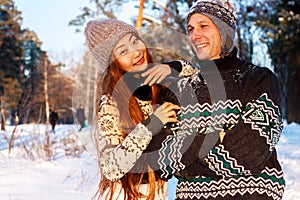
<point x="136" y="52"/>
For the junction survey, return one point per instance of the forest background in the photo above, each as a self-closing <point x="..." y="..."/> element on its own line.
<point x="31" y="83"/>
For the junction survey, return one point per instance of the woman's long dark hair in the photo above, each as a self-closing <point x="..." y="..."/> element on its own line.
<point x="131" y="181"/>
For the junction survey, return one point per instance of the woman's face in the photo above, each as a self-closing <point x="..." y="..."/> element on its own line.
<point x="130" y="53"/>
<point x="205" y="37"/>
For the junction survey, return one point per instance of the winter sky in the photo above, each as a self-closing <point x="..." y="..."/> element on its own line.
<point x="49" y="19"/>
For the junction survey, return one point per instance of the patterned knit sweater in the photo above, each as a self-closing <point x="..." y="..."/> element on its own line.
<point x="229" y="125"/>
<point x="118" y="155"/>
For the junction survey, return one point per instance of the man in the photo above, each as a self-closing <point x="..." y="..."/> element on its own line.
<point x="80" y="116"/>
<point x="237" y="110"/>
<point x="53" y="119"/>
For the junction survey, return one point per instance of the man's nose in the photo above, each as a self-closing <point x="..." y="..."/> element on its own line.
<point x="196" y="34"/>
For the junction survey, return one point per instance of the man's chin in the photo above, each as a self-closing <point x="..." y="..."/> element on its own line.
<point x="203" y="56"/>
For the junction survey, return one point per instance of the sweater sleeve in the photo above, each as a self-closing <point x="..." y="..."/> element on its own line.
<point x="118" y="155"/>
<point x="171" y="150"/>
<point x="247" y="146"/>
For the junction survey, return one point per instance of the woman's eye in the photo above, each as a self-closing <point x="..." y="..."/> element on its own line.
<point x="135" y="41"/>
<point x="123" y="52"/>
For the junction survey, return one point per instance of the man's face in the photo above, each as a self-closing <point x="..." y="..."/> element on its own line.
<point x="205" y="37"/>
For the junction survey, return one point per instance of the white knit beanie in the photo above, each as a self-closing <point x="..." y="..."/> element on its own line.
<point x="222" y="13"/>
<point x="102" y="36"/>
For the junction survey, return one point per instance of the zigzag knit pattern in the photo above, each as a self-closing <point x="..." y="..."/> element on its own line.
<point x="264" y="116"/>
<point x="220" y="161"/>
<point x="170" y="162"/>
<point x="270" y="182"/>
<point x="199" y="116"/>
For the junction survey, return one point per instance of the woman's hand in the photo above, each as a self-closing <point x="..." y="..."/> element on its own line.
<point x="156" y="74"/>
<point x="167" y="112"/>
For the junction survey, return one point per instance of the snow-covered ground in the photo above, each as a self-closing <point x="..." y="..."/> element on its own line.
<point x="71" y="172"/>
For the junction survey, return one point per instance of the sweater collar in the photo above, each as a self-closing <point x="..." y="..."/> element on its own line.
<point x="228" y="62"/>
<point x="134" y="84"/>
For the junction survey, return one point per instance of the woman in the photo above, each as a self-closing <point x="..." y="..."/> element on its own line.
<point x="126" y="120"/>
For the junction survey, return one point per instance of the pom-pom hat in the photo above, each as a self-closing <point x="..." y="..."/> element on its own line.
<point x="222" y="13"/>
<point x="102" y="36"/>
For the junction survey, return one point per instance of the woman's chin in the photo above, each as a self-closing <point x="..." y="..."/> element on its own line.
<point x="139" y="68"/>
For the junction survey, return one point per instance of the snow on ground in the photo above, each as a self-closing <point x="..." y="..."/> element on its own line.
<point x="26" y="174"/>
<point x="288" y="151"/>
<point x="64" y="177"/>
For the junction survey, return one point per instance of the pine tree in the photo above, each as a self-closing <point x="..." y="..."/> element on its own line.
<point x="11" y="59"/>
<point x="280" y="21"/>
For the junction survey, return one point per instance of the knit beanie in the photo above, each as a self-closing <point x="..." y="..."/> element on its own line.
<point x="222" y="13"/>
<point x="102" y="36"/>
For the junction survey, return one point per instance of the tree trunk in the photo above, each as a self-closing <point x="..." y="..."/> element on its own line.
<point x="47" y="140"/>
<point x="46" y="90"/>
<point x="293" y="98"/>
<point x="3" y="119"/>
<point x="140" y="16"/>
<point x="293" y="87"/>
<point x="12" y="138"/>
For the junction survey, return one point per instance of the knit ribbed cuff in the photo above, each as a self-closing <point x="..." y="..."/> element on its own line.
<point x="153" y="124"/>
<point x="176" y="67"/>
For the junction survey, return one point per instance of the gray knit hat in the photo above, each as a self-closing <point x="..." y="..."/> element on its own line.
<point x="102" y="36"/>
<point x="222" y="13"/>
